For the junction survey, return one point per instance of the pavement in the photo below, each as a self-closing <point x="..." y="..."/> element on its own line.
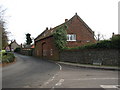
<point x="91" y="66"/>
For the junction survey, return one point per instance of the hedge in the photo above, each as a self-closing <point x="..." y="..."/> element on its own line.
<point x="8" y="57"/>
<point x="113" y="43"/>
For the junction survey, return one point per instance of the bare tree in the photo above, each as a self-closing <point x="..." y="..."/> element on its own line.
<point x="3" y="33"/>
<point x="99" y="37"/>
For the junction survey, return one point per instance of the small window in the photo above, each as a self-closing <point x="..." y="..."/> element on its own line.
<point x="88" y="41"/>
<point x="71" y="37"/>
<point x="51" y="52"/>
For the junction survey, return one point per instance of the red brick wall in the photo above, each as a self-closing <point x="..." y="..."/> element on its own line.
<point x="75" y="26"/>
<point x="46" y="48"/>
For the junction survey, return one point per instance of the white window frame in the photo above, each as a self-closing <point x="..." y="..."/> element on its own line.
<point x="71" y="37"/>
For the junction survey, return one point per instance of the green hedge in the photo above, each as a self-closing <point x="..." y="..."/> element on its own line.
<point x="7" y="57"/>
<point x="113" y="43"/>
<point x="17" y="50"/>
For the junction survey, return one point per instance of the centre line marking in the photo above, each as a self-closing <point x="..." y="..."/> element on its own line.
<point x="60" y="82"/>
<point x="94" y="79"/>
<point x="109" y="86"/>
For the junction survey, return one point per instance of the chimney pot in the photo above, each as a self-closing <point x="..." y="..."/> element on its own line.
<point x="46" y="28"/>
<point x="113" y="33"/>
<point x="66" y="20"/>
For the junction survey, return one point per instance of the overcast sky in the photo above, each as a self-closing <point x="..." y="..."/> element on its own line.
<point x="33" y="16"/>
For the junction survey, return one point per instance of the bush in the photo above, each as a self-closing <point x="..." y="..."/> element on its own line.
<point x="105" y="44"/>
<point x="8" y="57"/>
<point x="116" y="41"/>
<point x="17" y="50"/>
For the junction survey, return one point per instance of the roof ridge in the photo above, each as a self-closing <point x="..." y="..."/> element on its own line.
<point x="89" y="29"/>
<point x="54" y="28"/>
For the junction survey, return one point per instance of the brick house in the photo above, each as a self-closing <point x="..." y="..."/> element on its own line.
<point x="78" y="34"/>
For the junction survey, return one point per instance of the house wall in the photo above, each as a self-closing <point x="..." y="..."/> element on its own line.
<point x="14" y="46"/>
<point x="83" y="34"/>
<point x="91" y="56"/>
<point x="45" y="48"/>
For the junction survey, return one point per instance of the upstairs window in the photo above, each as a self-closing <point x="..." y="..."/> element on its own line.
<point x="71" y="37"/>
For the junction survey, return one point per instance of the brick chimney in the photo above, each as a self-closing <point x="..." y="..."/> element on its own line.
<point x="76" y="13"/>
<point x="113" y="34"/>
<point x="66" y="20"/>
<point x="46" y="28"/>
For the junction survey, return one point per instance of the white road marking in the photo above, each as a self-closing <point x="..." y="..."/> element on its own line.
<point x="60" y="82"/>
<point x="94" y="79"/>
<point x="27" y="86"/>
<point x="51" y="79"/>
<point x="53" y="87"/>
<point x="109" y="86"/>
<point x="59" y="66"/>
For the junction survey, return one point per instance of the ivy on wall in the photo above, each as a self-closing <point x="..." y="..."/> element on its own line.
<point x="60" y="36"/>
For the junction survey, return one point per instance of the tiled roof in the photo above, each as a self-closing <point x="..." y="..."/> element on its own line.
<point x="49" y="32"/>
<point x="14" y="42"/>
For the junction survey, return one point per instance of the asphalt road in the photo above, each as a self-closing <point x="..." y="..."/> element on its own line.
<point x="27" y="71"/>
<point x="30" y="72"/>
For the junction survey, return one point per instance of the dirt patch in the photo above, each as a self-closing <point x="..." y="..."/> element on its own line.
<point x="5" y="64"/>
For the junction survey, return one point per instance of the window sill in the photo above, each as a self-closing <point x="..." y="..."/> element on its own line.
<point x="71" y="40"/>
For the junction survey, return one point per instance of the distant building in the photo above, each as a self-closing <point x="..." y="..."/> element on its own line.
<point x="78" y="34"/>
<point x="13" y="45"/>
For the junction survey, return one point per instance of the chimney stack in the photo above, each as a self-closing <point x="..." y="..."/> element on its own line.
<point x="46" y="28"/>
<point x="113" y="34"/>
<point x="76" y="13"/>
<point x="66" y="20"/>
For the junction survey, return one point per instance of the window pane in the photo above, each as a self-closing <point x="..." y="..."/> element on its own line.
<point x="67" y="37"/>
<point x="71" y="37"/>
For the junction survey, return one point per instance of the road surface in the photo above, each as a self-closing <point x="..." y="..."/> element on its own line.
<point x="31" y="72"/>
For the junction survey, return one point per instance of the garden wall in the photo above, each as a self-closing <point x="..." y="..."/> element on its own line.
<point x="28" y="52"/>
<point x="91" y="56"/>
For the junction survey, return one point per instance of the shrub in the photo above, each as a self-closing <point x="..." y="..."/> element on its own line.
<point x="17" y="50"/>
<point x="116" y="41"/>
<point x="7" y="58"/>
<point x="105" y="44"/>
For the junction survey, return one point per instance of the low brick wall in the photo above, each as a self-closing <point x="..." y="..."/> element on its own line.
<point x="28" y="52"/>
<point x="91" y="56"/>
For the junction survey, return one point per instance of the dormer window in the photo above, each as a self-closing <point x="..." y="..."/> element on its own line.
<point x="71" y="37"/>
